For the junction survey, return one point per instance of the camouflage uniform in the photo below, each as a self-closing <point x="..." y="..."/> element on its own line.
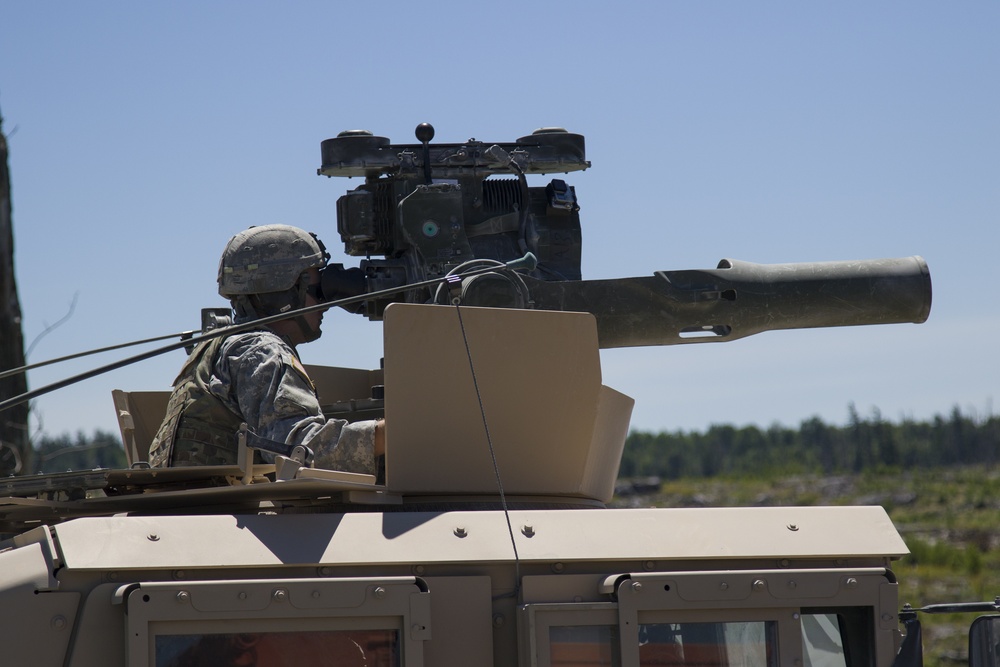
<point x="254" y="377"/>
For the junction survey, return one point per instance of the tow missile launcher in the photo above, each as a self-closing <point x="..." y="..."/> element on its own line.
<point x="487" y="540"/>
<point x="436" y="209"/>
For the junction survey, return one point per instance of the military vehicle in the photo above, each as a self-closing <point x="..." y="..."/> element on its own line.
<point x="486" y="537"/>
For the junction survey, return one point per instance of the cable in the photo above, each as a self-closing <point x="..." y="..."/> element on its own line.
<point x="484" y="264"/>
<point x="21" y="369"/>
<point x="527" y="262"/>
<point x="493" y="456"/>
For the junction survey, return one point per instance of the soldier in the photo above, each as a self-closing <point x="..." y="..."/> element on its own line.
<point x="256" y="376"/>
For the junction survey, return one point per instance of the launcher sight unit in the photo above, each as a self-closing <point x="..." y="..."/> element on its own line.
<point x="430" y="208"/>
<point x="437" y="209"/>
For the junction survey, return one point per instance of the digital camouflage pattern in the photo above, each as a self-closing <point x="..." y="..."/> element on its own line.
<point x="267" y="258"/>
<point x="257" y="378"/>
<point x="198" y="428"/>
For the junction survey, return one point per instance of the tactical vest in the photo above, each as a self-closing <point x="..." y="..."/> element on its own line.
<point x="198" y="429"/>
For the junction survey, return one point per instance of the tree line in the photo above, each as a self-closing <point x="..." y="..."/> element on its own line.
<point x="79" y="452"/>
<point x="864" y="443"/>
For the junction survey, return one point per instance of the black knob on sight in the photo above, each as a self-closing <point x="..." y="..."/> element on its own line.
<point x="424" y="132"/>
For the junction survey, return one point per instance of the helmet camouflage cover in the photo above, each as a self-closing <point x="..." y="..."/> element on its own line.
<point x="268" y="258"/>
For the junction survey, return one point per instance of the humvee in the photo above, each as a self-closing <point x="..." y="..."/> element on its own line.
<point x="486" y="538"/>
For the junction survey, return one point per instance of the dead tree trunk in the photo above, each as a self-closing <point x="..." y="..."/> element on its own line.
<point x="15" y="446"/>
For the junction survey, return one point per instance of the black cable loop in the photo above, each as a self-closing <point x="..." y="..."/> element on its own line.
<point x="481" y="263"/>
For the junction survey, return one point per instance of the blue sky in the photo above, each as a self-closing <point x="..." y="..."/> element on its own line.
<point x="143" y="135"/>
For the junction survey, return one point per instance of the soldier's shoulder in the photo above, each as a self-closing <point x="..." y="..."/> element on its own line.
<point x="253" y="349"/>
<point x="251" y="340"/>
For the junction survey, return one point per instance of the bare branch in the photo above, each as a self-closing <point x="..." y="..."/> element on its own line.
<point x="49" y="328"/>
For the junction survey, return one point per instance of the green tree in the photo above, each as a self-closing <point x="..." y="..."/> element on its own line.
<point x="101" y="450"/>
<point x="15" y="450"/>
<point x="815" y="447"/>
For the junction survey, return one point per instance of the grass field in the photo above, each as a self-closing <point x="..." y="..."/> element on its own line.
<point x="949" y="518"/>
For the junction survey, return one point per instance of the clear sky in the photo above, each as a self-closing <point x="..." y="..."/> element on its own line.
<point x="143" y="135"/>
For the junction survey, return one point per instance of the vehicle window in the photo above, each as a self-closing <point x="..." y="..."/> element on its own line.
<point x="584" y="646"/>
<point x="838" y="637"/>
<point x="732" y="644"/>
<point x="736" y="644"/>
<point x="344" y="648"/>
<point x="822" y="643"/>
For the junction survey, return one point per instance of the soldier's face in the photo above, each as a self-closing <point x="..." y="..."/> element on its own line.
<point x="315" y="318"/>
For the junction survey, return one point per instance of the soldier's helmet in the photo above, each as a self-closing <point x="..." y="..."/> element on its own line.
<point x="268" y="258"/>
<point x="261" y="270"/>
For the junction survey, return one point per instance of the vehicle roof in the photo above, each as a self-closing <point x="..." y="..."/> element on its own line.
<point x="477" y="536"/>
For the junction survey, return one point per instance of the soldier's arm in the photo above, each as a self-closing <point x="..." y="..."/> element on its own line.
<point x="278" y="401"/>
